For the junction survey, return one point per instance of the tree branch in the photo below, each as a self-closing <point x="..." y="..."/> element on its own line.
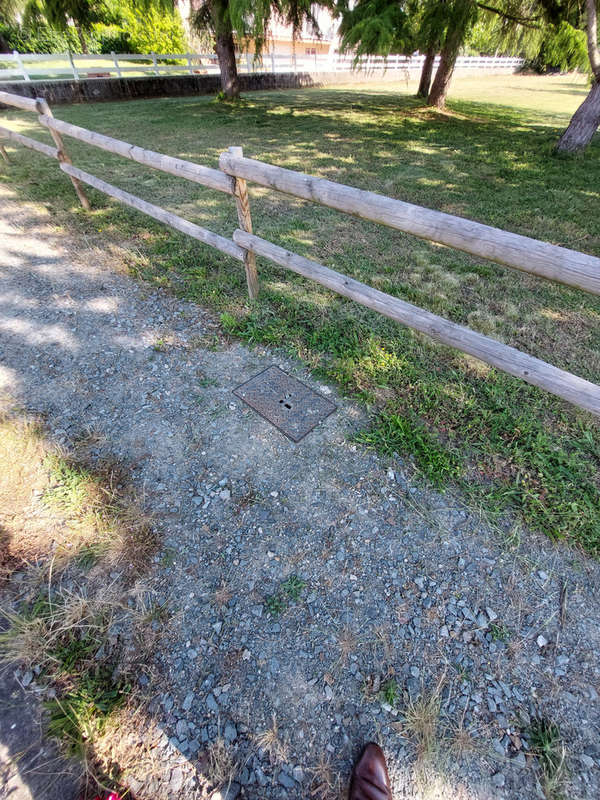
<point x="526" y="22"/>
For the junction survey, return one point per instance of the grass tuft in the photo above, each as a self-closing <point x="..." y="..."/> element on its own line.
<point x="548" y="747"/>
<point x="393" y="434"/>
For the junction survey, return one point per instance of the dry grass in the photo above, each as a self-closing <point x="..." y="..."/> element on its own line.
<point x="347" y="643"/>
<point x="422" y="721"/>
<point x="223" y="595"/>
<point x="22" y="479"/>
<point x="67" y="521"/>
<point x="272" y="744"/>
<point x="58" y="507"/>
<point x="219" y="766"/>
<point x="36" y="636"/>
<point x="327" y="783"/>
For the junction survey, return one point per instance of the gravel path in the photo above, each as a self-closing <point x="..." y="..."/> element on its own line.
<point x="396" y="587"/>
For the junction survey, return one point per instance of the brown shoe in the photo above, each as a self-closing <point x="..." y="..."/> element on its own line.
<point x="370" y="779"/>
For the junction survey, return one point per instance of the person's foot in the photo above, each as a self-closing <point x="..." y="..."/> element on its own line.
<point x="370" y="779"/>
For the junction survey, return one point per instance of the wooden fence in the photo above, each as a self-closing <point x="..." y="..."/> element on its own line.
<point x="33" y="66"/>
<point x="509" y="249"/>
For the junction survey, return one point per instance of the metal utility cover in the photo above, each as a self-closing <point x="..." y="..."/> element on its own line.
<point x="285" y="402"/>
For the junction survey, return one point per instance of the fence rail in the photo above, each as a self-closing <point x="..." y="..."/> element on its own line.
<point x="34" y="66"/>
<point x="519" y="252"/>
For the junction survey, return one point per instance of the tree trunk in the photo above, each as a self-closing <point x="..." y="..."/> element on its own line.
<point x="583" y="125"/>
<point x="463" y="14"/>
<point x="82" y="41"/>
<point x="225" y="48"/>
<point x="586" y="119"/>
<point x="443" y="75"/>
<point x="4" y="48"/>
<point x="427" y="72"/>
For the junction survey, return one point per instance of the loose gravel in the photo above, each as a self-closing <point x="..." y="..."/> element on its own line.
<point x="314" y="588"/>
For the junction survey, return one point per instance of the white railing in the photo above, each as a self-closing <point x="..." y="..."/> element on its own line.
<point x="53" y="66"/>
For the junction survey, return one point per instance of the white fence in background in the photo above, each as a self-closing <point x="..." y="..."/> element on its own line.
<point x="48" y="66"/>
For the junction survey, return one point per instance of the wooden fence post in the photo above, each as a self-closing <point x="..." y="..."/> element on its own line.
<point x="245" y="220"/>
<point x="43" y="108"/>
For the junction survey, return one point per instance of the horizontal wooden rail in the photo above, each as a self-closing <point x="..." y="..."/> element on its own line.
<point x="26" y="103"/>
<point x="33" y="144"/>
<point x="213" y="178"/>
<point x="533" y="370"/>
<point x="180" y="224"/>
<point x="511" y="249"/>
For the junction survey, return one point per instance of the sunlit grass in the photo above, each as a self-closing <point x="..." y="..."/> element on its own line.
<point x="489" y="157"/>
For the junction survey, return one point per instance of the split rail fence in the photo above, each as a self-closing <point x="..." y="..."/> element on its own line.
<point x="33" y="66"/>
<point x="509" y="249"/>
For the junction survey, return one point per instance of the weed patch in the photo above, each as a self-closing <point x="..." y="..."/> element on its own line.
<point x="290" y="591"/>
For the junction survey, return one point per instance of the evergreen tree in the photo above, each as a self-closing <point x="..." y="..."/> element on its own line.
<point x="83" y="13"/>
<point x="434" y="25"/>
<point x="232" y="21"/>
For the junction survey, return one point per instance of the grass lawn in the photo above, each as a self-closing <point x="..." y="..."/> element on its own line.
<point x="508" y="445"/>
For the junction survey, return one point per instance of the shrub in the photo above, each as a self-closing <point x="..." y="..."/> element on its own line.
<point x="563" y="49"/>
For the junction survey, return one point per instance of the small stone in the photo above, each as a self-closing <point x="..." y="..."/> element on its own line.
<point x="491" y="614"/>
<point x="498" y="779"/>
<point x="225" y="494"/>
<point x="298" y="774"/>
<point x="390" y="474"/>
<point x="587" y="761"/>
<point x="230" y="732"/>
<point x="285" y="780"/>
<point x="217" y="627"/>
<point x="187" y="703"/>
<point x="211" y="704"/>
<point x="176" y="780"/>
<point x="27" y="678"/>
<point x="541" y="641"/>
<point x="182" y="729"/>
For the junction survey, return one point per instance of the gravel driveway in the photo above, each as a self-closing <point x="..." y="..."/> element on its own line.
<point x="313" y="584"/>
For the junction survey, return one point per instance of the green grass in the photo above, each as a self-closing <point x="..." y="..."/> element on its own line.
<point x="547" y="745"/>
<point x="293" y="587"/>
<point x="390" y="692"/>
<point x="509" y="446"/>
<point x="81" y="714"/>
<point x="290" y="591"/>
